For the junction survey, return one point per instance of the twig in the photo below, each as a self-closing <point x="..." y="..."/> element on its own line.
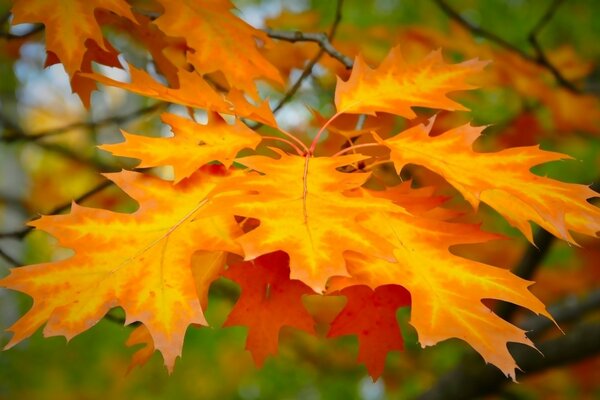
<point x="311" y="64"/>
<point x="540" y="58"/>
<point x="526" y="267"/>
<point x="321" y="38"/>
<point x="57" y="210"/>
<point x="472" y="379"/>
<point x="9" y="258"/>
<point x="20" y="135"/>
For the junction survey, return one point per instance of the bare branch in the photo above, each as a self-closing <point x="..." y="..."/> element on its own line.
<point x="17" y="134"/>
<point x="10" y="259"/>
<point x="472" y="379"/>
<point x="321" y="38"/>
<point x="20" y="234"/>
<point x="539" y="58"/>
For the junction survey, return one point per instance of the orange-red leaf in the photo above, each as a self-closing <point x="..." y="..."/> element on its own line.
<point x="269" y="301"/>
<point x="69" y="24"/>
<point x="396" y="87"/>
<point x="371" y="315"/>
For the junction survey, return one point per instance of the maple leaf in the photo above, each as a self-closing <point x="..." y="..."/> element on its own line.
<point x="138" y="261"/>
<point x="190" y="84"/>
<point x="219" y="41"/>
<point x="446" y="290"/>
<point x="269" y="301"/>
<point x="501" y="179"/>
<point x="303" y="211"/>
<point x="396" y="87"/>
<point x="193" y="145"/>
<point x="371" y="315"/>
<point x="69" y="24"/>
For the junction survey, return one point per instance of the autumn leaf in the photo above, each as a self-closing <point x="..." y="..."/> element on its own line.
<point x="396" y="87"/>
<point x="446" y="290"/>
<point x="218" y="41"/>
<point x="140" y="262"/>
<point x="303" y="211"/>
<point x="371" y="315"/>
<point x="69" y="25"/>
<point x="269" y="301"/>
<point x="501" y="179"/>
<point x="190" y="85"/>
<point x="192" y="146"/>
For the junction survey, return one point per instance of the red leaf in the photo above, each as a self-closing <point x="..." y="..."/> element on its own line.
<point x="269" y="301"/>
<point x="371" y="315"/>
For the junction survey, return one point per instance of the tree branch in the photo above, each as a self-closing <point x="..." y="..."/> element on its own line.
<point x="321" y="38"/>
<point x="539" y="59"/>
<point x="20" y="234"/>
<point x="17" y="134"/>
<point x="311" y="64"/>
<point x="472" y="379"/>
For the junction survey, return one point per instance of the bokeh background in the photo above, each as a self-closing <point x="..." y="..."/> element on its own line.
<point x="542" y="86"/>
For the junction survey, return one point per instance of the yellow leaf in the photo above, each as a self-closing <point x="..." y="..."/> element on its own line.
<point x="446" y="290"/>
<point x="140" y="262"/>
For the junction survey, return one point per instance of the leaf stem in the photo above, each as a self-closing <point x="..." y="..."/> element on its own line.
<point x="356" y="146"/>
<point x="316" y="139"/>
<point x="289" y="143"/>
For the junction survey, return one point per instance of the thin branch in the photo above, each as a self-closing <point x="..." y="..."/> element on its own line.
<point x="472" y="380"/>
<point x="320" y="38"/>
<point x="539" y="59"/>
<point x="10" y="259"/>
<point x="20" y="234"/>
<point x="526" y="267"/>
<point x="20" y="135"/>
<point x="311" y="64"/>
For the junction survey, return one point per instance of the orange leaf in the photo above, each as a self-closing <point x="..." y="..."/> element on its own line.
<point x="446" y="290"/>
<point x="303" y="211"/>
<point x="269" y="301"/>
<point x="219" y="41"/>
<point x="396" y="87"/>
<point x="190" y="85"/>
<point x="193" y="145"/>
<point x="140" y="261"/>
<point x="69" y="24"/>
<point x="371" y="315"/>
<point x="501" y="179"/>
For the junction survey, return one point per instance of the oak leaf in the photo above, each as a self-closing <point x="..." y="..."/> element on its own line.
<point x="396" y="87"/>
<point x="69" y="25"/>
<point x="218" y="41"/>
<point x="269" y="301"/>
<point x="371" y="315"/>
<point x="140" y="262"/>
<point x="303" y="211"/>
<point x="192" y="146"/>
<point x="501" y="179"/>
<point x="446" y="290"/>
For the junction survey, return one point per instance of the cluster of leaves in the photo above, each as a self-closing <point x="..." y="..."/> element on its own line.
<point x="304" y="219"/>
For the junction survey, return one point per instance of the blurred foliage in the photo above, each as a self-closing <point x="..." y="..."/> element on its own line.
<point x="40" y="175"/>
